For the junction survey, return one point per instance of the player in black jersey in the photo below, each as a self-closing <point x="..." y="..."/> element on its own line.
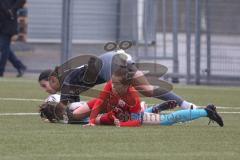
<point x="82" y="73"/>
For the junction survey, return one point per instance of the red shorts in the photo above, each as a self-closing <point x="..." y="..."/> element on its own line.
<point x="91" y="103"/>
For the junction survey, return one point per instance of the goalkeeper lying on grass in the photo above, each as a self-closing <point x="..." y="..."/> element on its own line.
<point x="119" y="104"/>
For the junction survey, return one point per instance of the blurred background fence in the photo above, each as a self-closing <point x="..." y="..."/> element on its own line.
<point x="198" y="40"/>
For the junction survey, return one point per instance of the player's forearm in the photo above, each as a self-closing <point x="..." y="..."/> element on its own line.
<point x="95" y="111"/>
<point x="131" y="123"/>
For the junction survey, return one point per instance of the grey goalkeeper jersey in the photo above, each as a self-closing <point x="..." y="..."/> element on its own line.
<point x="74" y="83"/>
<point x="107" y="59"/>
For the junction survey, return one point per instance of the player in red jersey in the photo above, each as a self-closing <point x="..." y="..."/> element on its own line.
<point x="121" y="106"/>
<point x="118" y="102"/>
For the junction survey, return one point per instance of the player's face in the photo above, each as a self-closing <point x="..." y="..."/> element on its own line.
<point x="54" y="83"/>
<point x="46" y="86"/>
<point x="118" y="86"/>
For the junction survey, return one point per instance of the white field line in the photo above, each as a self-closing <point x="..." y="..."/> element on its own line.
<point x="221" y="107"/>
<point x="20" y="99"/>
<point x="18" y="80"/>
<point x="229" y="112"/>
<point x="18" y="114"/>
<point x="14" y="80"/>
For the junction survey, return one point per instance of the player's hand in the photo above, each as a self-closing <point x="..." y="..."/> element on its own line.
<point x="116" y="122"/>
<point x="89" y="125"/>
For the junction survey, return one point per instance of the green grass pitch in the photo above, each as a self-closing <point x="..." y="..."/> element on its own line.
<point x="26" y="137"/>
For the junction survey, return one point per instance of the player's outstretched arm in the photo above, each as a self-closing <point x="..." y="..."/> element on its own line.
<point x="130" y="123"/>
<point x="94" y="113"/>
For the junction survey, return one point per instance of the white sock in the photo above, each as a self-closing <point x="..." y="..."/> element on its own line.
<point x="188" y="105"/>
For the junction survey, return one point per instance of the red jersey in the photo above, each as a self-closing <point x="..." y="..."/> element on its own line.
<point x="119" y="106"/>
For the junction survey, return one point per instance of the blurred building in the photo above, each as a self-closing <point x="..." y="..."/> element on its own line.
<point x="164" y="31"/>
<point x="104" y="20"/>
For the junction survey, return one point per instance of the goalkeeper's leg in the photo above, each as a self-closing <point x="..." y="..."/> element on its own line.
<point x="141" y="83"/>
